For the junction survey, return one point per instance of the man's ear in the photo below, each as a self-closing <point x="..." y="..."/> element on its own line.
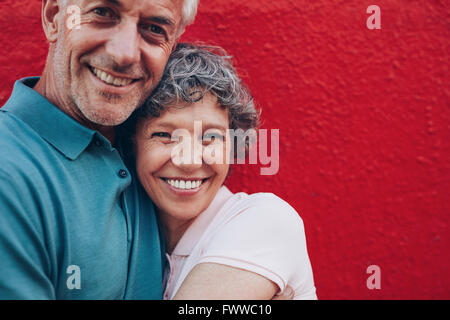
<point x="177" y="40"/>
<point x="175" y="44"/>
<point x="51" y="11"/>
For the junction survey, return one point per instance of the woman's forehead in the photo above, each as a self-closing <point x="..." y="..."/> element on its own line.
<point x="207" y="110"/>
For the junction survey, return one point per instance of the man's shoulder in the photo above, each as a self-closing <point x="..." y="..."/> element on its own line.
<point x="22" y="152"/>
<point x="17" y="140"/>
<point x="13" y="129"/>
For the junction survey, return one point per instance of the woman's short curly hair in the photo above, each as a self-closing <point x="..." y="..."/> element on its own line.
<point x="196" y="70"/>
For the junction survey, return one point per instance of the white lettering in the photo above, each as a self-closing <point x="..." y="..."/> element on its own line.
<point x="74" y="280"/>
<point x="374" y="21"/>
<point x="374" y="281"/>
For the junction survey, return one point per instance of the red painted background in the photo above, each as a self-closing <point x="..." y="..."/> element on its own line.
<point x="364" y="121"/>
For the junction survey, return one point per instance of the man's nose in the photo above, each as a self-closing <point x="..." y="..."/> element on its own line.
<point x="123" y="46"/>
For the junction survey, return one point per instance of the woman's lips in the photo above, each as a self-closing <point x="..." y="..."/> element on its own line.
<point x="184" y="186"/>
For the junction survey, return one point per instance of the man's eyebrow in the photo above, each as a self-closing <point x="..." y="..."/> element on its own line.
<point x="166" y="21"/>
<point x="114" y="2"/>
<point x="160" y="20"/>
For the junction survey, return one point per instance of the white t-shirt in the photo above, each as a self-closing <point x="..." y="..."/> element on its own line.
<point x="260" y="233"/>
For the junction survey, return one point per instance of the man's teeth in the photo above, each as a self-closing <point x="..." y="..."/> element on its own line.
<point x="184" y="184"/>
<point x="109" y="79"/>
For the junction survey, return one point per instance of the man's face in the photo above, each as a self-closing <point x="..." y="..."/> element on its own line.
<point x="113" y="61"/>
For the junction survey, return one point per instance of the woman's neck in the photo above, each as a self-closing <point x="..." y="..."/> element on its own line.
<point x="173" y="229"/>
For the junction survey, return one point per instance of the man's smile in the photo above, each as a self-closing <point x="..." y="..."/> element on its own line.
<point x="112" y="79"/>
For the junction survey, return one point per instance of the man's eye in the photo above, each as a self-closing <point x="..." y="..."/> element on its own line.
<point x="104" y="12"/>
<point x="153" y="28"/>
<point x="156" y="29"/>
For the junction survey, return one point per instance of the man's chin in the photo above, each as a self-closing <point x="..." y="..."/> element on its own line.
<point x="108" y="120"/>
<point x="104" y="108"/>
<point x="109" y="115"/>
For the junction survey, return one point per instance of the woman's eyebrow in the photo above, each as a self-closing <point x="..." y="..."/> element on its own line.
<point x="210" y="126"/>
<point x="207" y="126"/>
<point x="161" y="125"/>
<point x="170" y="125"/>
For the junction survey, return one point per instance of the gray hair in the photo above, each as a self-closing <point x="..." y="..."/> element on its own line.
<point x="189" y="12"/>
<point x="192" y="72"/>
<point x="196" y="70"/>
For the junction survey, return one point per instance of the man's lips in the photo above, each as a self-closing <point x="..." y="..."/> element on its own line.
<point x="112" y="78"/>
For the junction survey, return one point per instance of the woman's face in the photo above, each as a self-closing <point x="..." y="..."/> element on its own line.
<point x="180" y="174"/>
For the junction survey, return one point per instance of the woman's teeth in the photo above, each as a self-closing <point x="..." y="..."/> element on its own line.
<point x="109" y="79"/>
<point x="184" y="184"/>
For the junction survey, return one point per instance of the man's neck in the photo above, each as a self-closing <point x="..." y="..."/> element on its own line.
<point x="48" y="89"/>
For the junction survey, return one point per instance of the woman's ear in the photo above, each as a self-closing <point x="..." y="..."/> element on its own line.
<point x="51" y="10"/>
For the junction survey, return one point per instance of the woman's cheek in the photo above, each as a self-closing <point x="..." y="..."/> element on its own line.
<point x="218" y="158"/>
<point x="151" y="157"/>
<point x="217" y="153"/>
<point x="227" y="150"/>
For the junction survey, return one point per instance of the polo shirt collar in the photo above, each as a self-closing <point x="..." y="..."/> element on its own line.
<point x="193" y="234"/>
<point x="53" y="125"/>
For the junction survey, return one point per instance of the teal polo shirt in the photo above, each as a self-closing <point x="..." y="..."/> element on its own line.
<point x="74" y="221"/>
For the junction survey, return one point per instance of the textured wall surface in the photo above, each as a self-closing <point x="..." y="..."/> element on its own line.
<point x="364" y="121"/>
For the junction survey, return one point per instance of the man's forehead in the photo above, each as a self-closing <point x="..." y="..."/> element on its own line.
<point x="147" y="7"/>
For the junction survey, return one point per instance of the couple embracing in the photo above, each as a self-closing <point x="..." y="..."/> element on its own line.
<point x="89" y="178"/>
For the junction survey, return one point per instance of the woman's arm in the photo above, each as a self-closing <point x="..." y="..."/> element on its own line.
<point x="212" y="281"/>
<point x="252" y="256"/>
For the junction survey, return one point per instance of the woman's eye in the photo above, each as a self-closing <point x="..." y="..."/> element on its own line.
<point x="161" y="135"/>
<point x="210" y="137"/>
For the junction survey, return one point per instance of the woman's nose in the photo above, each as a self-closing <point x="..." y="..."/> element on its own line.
<point x="188" y="153"/>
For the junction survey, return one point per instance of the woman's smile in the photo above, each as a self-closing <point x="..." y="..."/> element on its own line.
<point x="184" y="186"/>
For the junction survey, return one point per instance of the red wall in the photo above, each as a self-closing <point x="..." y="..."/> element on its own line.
<point x="364" y="125"/>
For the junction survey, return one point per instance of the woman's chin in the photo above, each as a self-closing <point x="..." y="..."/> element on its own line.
<point x="182" y="215"/>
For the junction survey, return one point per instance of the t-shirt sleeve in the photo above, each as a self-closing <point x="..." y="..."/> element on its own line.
<point x="266" y="237"/>
<point x="23" y="259"/>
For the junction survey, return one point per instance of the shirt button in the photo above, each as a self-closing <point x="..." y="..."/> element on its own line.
<point x="98" y="143"/>
<point x="122" y="173"/>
